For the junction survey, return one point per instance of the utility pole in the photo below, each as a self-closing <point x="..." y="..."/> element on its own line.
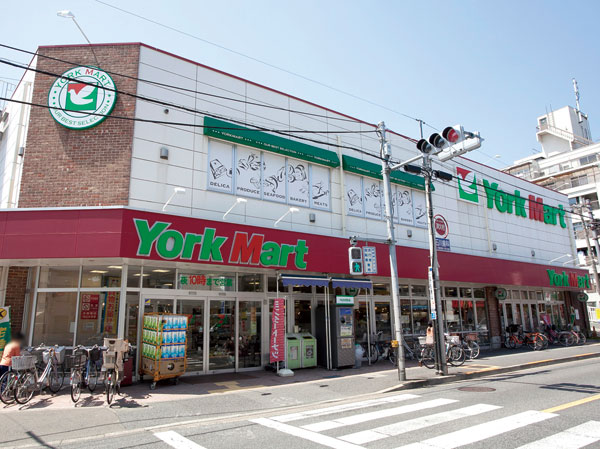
<point x="391" y="241"/>
<point x="441" y="367"/>
<point x="589" y="246"/>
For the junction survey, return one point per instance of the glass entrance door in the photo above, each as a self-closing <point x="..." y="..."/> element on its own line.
<point x="249" y="329"/>
<point x="158" y="305"/>
<point x="222" y="343"/>
<point x="194" y="309"/>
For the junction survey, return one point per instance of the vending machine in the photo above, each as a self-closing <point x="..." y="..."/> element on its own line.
<point x="341" y="325"/>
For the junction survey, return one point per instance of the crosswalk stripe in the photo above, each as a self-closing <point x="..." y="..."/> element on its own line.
<point x="482" y="431"/>
<point x="385" y="413"/>
<point x="573" y="438"/>
<point x="177" y="441"/>
<point x="395" y="429"/>
<point x="343" y="407"/>
<point x="306" y="434"/>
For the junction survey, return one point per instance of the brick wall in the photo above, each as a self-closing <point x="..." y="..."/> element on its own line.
<point x="16" y="289"/>
<point x="493" y="316"/>
<point x="64" y="167"/>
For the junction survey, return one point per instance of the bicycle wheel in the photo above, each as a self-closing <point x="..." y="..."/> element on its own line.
<point x="392" y="355"/>
<point x="92" y="377"/>
<point x="75" y="385"/>
<point x="373" y="353"/>
<point x="582" y="338"/>
<point x="110" y="386"/>
<point x="7" y="386"/>
<point x="55" y="380"/>
<point x="565" y="339"/>
<point x="511" y="343"/>
<point x="427" y="357"/>
<point x="25" y="387"/>
<point x="456" y="355"/>
<point x="545" y="340"/>
<point x="473" y="349"/>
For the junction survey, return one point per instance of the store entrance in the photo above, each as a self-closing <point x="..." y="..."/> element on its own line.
<point x="224" y="334"/>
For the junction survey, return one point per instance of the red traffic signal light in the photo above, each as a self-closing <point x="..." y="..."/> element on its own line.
<point x="451" y="134"/>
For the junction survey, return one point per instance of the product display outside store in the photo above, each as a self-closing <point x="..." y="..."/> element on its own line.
<point x="4" y="327"/>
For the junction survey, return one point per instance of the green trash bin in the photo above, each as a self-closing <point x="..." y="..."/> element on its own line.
<point x="293" y="351"/>
<point x="309" y="350"/>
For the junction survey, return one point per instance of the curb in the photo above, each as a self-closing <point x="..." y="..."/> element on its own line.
<point x="420" y="383"/>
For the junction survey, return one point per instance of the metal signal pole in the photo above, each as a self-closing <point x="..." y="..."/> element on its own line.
<point x="391" y="241"/>
<point x="434" y="275"/>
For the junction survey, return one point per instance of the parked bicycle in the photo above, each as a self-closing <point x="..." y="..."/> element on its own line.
<point x="470" y="346"/>
<point x="516" y="338"/>
<point x="29" y="380"/>
<point x="379" y="349"/>
<point x="84" y="372"/>
<point x="113" y="366"/>
<point x="455" y="355"/>
<point x="7" y="386"/>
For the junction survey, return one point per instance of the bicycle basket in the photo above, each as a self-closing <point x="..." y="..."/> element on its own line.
<point x="23" y="362"/>
<point x="454" y="339"/>
<point x="95" y="354"/>
<point x="76" y="361"/>
<point x="109" y="359"/>
<point x="471" y="337"/>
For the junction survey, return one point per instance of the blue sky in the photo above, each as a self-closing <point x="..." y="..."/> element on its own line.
<point x="491" y="66"/>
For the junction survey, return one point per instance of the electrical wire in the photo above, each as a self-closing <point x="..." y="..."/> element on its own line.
<point x="206" y="41"/>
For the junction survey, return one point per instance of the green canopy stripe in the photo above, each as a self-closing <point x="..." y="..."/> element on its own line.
<point x="372" y="170"/>
<point x="269" y="142"/>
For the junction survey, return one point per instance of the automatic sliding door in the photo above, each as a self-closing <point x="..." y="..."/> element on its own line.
<point x="221" y="352"/>
<point x="195" y="332"/>
<point x="249" y="348"/>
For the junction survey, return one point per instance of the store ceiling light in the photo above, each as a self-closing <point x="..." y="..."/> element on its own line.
<point x="99" y="271"/>
<point x="138" y="274"/>
<point x="160" y="270"/>
<point x="115" y="267"/>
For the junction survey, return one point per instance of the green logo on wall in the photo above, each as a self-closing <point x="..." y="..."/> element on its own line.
<point x="467" y="185"/>
<point x="501" y="294"/>
<point x="82" y="98"/>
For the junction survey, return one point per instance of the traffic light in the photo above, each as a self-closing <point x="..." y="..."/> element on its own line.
<point x="457" y="142"/>
<point x="424" y="147"/>
<point x="355" y="259"/>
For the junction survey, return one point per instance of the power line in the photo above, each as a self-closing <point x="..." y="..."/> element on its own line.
<point x="252" y="58"/>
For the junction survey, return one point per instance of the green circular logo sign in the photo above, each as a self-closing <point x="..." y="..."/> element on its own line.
<point x="582" y="296"/>
<point x="82" y="98"/>
<point x="501" y="293"/>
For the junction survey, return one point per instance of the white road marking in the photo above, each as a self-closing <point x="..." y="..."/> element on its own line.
<point x="385" y="413"/>
<point x="177" y="441"/>
<point x="483" y="431"/>
<point x="306" y="434"/>
<point x="343" y="407"/>
<point x="395" y="429"/>
<point x="573" y="438"/>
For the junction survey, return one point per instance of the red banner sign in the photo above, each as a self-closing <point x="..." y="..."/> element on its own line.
<point x="276" y="346"/>
<point x="89" y="306"/>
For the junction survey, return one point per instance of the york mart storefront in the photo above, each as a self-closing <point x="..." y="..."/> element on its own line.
<point x="93" y="273"/>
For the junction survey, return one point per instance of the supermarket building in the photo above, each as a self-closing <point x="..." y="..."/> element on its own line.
<point x="87" y="245"/>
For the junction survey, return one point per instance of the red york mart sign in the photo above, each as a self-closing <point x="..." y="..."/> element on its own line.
<point x="84" y="234"/>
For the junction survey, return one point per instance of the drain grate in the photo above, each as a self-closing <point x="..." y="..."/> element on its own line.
<point x="477" y="389"/>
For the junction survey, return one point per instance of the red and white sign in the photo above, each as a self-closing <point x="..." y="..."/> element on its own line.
<point x="277" y="342"/>
<point x="111" y="313"/>
<point x="441" y="226"/>
<point x="89" y="306"/>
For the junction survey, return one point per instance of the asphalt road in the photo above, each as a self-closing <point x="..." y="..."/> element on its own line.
<point x="551" y="407"/>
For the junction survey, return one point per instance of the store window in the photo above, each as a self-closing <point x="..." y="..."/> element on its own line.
<point x="272" y="285"/>
<point x="383" y="321"/>
<point x="381" y="289"/>
<point x="302" y="289"/>
<point x="302" y="316"/>
<point x="452" y="315"/>
<point x="450" y="292"/>
<point x="466" y="292"/>
<point x="222" y="282"/>
<point x="55" y="318"/>
<point x="405" y="318"/>
<point x="479" y="293"/>
<point x="154" y="277"/>
<point x="59" y="277"/>
<point x="418" y="291"/>
<point x="101" y="276"/>
<point x="481" y="313"/>
<point x="467" y="315"/>
<point x="404" y="290"/>
<point x="251" y="283"/>
<point x="133" y="276"/>
<point x="420" y="316"/>
<point x="98" y="317"/>
<point x="249" y="334"/>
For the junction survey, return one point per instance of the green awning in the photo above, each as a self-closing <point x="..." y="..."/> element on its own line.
<point x="269" y="142"/>
<point x="373" y="170"/>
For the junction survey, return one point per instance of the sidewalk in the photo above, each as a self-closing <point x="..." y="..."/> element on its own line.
<point x="381" y="376"/>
